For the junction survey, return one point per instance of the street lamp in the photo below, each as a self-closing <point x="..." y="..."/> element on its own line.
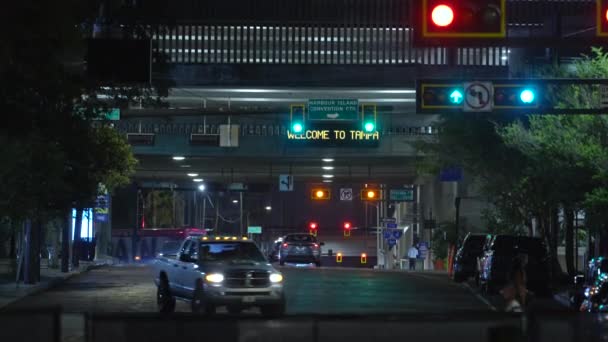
<point x="268" y="208"/>
<point x="201" y="187"/>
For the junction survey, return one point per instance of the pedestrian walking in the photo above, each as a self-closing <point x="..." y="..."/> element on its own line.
<point x="412" y="254"/>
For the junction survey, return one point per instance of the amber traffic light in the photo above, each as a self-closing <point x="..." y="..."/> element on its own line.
<point x="369" y="194"/>
<point x="320" y="194"/>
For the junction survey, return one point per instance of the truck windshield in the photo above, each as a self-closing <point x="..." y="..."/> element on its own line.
<point x="230" y="251"/>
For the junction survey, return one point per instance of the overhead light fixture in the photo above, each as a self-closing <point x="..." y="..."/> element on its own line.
<point x="192" y="174"/>
<point x="268" y="208"/>
<point x="328" y="176"/>
<point x="235" y="201"/>
<point x="328" y="160"/>
<point x="185" y="165"/>
<point x="201" y="187"/>
<point x="328" y="167"/>
<point x="179" y="157"/>
<point x="198" y="180"/>
<point x="327" y="181"/>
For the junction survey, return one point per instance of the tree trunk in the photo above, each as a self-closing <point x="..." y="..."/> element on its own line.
<point x="569" y="217"/>
<point x="65" y="242"/>
<point x="32" y="252"/>
<point x="76" y="245"/>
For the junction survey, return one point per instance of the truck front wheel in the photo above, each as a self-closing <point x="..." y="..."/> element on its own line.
<point x="199" y="303"/>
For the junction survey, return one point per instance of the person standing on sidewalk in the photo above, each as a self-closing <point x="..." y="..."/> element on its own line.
<point x="412" y="254"/>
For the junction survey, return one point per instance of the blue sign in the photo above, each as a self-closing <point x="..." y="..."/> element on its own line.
<point x="387" y="234"/>
<point x="391" y="225"/>
<point x="391" y="242"/>
<point x="451" y="174"/>
<point x="423" y="249"/>
<point x="397" y="234"/>
<point x="102" y="208"/>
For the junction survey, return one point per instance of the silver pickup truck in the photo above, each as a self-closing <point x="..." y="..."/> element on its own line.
<point x="219" y="271"/>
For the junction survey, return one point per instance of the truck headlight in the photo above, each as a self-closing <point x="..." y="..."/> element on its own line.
<point x="214" y="277"/>
<point x="276" y="278"/>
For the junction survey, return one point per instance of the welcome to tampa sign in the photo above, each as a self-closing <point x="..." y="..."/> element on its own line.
<point x="334" y="137"/>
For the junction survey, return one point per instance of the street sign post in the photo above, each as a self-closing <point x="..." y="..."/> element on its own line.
<point x="346" y="194"/>
<point x="423" y="249"/>
<point x="254" y="230"/>
<point x="392" y="242"/>
<point x="333" y="109"/>
<point x="391" y="225"/>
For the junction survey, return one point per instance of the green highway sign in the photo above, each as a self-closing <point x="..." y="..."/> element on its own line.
<point x="113" y="114"/>
<point x="254" y="230"/>
<point x="333" y="109"/>
<point x="401" y="195"/>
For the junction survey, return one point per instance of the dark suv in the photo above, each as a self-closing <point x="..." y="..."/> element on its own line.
<point x="497" y="262"/>
<point x="465" y="261"/>
<point x="300" y="248"/>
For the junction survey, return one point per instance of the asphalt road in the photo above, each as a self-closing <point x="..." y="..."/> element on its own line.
<point x="316" y="291"/>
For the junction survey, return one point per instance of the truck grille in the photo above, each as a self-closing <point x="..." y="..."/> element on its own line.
<point x="245" y="278"/>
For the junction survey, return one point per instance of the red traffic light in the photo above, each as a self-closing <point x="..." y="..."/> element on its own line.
<point x="346" y="225"/>
<point x="442" y="15"/>
<point x="313" y="225"/>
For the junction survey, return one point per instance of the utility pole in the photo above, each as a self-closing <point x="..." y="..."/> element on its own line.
<point x="241" y="212"/>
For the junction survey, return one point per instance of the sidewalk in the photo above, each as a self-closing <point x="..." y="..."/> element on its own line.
<point x="49" y="277"/>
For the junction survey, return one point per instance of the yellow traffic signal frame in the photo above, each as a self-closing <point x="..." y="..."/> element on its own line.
<point x="364" y="197"/>
<point x="434" y="85"/>
<point x="501" y="34"/>
<point x="375" y="107"/>
<point x="339" y="257"/>
<point x="363" y="258"/>
<point x="599" y="19"/>
<point x="291" y="111"/>
<point x="313" y="194"/>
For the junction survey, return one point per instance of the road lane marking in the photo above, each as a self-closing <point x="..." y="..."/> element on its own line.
<point x="478" y="296"/>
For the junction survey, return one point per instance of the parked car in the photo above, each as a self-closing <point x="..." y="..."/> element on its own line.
<point x="465" y="261"/>
<point x="497" y="262"/>
<point x="585" y="286"/>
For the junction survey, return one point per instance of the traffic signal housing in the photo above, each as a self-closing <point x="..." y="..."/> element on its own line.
<point x="320" y="194"/>
<point x="515" y="96"/>
<point x="370" y="194"/>
<point x="297" y="118"/>
<point x="601" y="24"/>
<point x="448" y="95"/>
<point x="347" y="226"/>
<point x="369" y="118"/>
<point x="462" y="22"/>
<point x="313" y="228"/>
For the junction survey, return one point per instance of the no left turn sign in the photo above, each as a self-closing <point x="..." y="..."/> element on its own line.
<point x="478" y="97"/>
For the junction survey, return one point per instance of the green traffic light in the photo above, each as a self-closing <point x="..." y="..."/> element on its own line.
<point x="527" y="96"/>
<point x="456" y="97"/>
<point x="369" y="127"/>
<point x="297" y="127"/>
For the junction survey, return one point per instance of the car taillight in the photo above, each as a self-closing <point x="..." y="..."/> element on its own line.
<point x="285" y="245"/>
<point x="314" y="245"/>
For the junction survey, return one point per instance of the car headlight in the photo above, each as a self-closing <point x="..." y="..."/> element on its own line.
<point x="214" y="277"/>
<point x="276" y="278"/>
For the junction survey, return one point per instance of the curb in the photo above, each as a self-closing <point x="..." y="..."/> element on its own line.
<point x="54" y="282"/>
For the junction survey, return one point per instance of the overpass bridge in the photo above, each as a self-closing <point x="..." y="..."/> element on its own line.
<point x="229" y="70"/>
